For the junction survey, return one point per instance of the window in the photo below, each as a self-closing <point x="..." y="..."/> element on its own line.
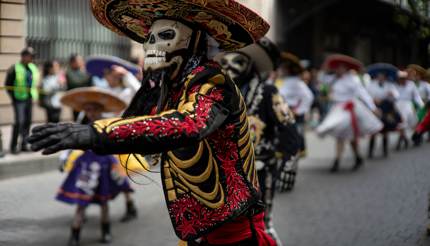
<point x="58" y="28"/>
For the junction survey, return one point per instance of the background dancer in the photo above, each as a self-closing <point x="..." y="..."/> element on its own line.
<point x="348" y="118"/>
<point x="408" y="97"/>
<point x="93" y="178"/>
<point x="384" y="93"/>
<point x="296" y="93"/>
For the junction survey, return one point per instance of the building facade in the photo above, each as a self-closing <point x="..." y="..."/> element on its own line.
<point x="370" y="30"/>
<point x="12" y="40"/>
<point x="55" y="29"/>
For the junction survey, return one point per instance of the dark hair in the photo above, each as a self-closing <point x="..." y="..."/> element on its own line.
<point x="47" y="66"/>
<point x="73" y="57"/>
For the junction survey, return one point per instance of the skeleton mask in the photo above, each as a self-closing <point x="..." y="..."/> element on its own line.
<point x="167" y="46"/>
<point x="238" y="66"/>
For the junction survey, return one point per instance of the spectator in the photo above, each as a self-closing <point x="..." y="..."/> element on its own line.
<point x="76" y="76"/>
<point x="52" y="85"/>
<point x="23" y="78"/>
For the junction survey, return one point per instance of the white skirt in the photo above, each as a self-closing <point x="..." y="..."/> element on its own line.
<point x="409" y="116"/>
<point x="339" y="122"/>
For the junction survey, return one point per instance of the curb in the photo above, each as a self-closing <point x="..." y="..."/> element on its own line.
<point x="12" y="167"/>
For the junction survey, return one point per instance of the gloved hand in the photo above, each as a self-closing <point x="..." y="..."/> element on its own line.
<point x="52" y="138"/>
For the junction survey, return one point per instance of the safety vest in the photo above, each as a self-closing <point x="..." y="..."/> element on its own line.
<point x="21" y="90"/>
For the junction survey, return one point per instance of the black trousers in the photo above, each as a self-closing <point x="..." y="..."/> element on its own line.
<point x="267" y="178"/>
<point x="21" y="126"/>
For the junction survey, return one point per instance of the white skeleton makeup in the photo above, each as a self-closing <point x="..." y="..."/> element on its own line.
<point x="236" y="65"/>
<point x="167" y="45"/>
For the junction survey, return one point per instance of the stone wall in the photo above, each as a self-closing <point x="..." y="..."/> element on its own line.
<point x="12" y="41"/>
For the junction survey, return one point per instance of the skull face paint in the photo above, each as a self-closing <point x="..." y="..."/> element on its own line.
<point x="235" y="64"/>
<point x="167" y="46"/>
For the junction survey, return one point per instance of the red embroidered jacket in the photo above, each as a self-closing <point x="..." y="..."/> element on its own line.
<point x="207" y="155"/>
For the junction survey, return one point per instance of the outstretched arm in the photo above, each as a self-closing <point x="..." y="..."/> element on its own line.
<point x="201" y="111"/>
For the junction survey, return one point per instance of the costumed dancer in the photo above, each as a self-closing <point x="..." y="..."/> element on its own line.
<point x="118" y="76"/>
<point x="195" y="116"/>
<point x="349" y="118"/>
<point x="269" y="119"/>
<point x="94" y="178"/>
<point x="422" y="127"/>
<point x="408" y="97"/>
<point x="384" y="93"/>
<point x="296" y="93"/>
<point x="421" y="77"/>
<point x="115" y="74"/>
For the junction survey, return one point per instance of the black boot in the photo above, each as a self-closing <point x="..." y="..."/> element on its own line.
<point x="417" y="139"/>
<point x="399" y="144"/>
<point x="358" y="163"/>
<point x="335" y="166"/>
<point x="371" y="147"/>
<point x="385" y="146"/>
<point x="106" y="236"/>
<point x="74" y="237"/>
<point x="406" y="141"/>
<point x="130" y="213"/>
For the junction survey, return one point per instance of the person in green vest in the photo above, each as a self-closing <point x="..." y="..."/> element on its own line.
<point x="21" y="81"/>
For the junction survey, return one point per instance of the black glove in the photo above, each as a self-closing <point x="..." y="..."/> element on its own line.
<point x="55" y="137"/>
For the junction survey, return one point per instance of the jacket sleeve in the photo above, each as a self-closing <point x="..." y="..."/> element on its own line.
<point x="201" y="111"/>
<point x="307" y="98"/>
<point x="416" y="96"/>
<point x="362" y="93"/>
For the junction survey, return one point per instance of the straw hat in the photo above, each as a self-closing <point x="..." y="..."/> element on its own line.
<point x="78" y="98"/>
<point x="292" y="62"/>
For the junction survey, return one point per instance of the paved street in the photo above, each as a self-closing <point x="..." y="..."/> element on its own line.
<point x="383" y="204"/>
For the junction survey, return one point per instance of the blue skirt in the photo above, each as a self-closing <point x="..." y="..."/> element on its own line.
<point x="93" y="179"/>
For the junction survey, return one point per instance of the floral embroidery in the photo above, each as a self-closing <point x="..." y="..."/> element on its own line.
<point x="171" y="125"/>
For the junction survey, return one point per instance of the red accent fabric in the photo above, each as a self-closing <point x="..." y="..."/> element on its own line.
<point x="172" y="125"/>
<point x="424" y="126"/>
<point x="349" y="106"/>
<point x="240" y="230"/>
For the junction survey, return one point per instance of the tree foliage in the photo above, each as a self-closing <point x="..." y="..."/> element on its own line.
<point x="420" y="19"/>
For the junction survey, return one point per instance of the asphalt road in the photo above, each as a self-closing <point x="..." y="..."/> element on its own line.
<point x="385" y="203"/>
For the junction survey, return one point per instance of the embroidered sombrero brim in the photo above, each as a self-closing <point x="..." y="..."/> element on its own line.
<point x="332" y="62"/>
<point x="389" y="70"/>
<point x="230" y="23"/>
<point x="78" y="98"/>
<point x="97" y="65"/>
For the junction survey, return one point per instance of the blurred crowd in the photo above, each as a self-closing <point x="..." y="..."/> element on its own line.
<point x="26" y="83"/>
<point x="309" y="91"/>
